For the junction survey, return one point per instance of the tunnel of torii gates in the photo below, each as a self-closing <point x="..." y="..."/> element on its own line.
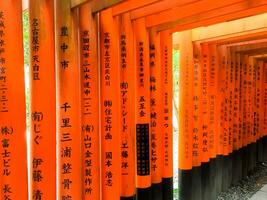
<point x="101" y="98"/>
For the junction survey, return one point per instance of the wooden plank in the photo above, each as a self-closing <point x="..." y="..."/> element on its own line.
<point x="158" y="7"/>
<point x="215" y="16"/>
<point x="98" y="6"/>
<point x="232" y="27"/>
<point x="180" y="12"/>
<point x="129" y="5"/>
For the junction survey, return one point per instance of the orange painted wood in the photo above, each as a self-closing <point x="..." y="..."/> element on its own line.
<point x="180" y="12"/>
<point x="265" y="98"/>
<point x="250" y="113"/>
<point x="185" y="101"/>
<point x="13" y="175"/>
<point x="231" y="85"/>
<point x="129" y="5"/>
<point x="156" y="112"/>
<point x="224" y="123"/>
<point x="197" y="108"/>
<point x="205" y="99"/>
<point x="90" y="116"/>
<point x="127" y="94"/>
<point x="69" y="170"/>
<point x="167" y="93"/>
<point x="213" y="100"/>
<point x="110" y="108"/>
<point x="232" y="12"/>
<point x="43" y="113"/>
<point x="158" y="7"/>
<point x="142" y="105"/>
<point x="221" y="101"/>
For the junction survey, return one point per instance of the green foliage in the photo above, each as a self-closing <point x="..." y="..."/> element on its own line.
<point x="26" y="42"/>
<point x="26" y="37"/>
<point x="176" y="72"/>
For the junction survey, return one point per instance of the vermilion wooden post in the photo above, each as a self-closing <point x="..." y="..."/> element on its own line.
<point x="141" y="56"/>
<point x="89" y="68"/>
<point x="13" y="173"/>
<point x="220" y="108"/>
<point x="237" y="162"/>
<point x="230" y="70"/>
<point x="167" y="94"/>
<point x="127" y="94"/>
<point x="42" y="111"/>
<point x="240" y="112"/>
<point x="250" y="112"/>
<point x="69" y="181"/>
<point x="244" y="68"/>
<point x="110" y="111"/>
<point x="197" y="124"/>
<point x="156" y="115"/>
<point x="224" y="113"/>
<point x="208" y="191"/>
<point x="258" y="107"/>
<point x="185" y="115"/>
<point x="264" y="93"/>
<point x="213" y="121"/>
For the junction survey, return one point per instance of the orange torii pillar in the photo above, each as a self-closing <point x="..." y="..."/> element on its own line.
<point x="197" y="124"/>
<point x="220" y="117"/>
<point x="89" y="103"/>
<point x="43" y="112"/>
<point x="239" y="113"/>
<point x="167" y="95"/>
<point x="110" y="111"/>
<point x="244" y="105"/>
<point x="213" y="115"/>
<point x="156" y="115"/>
<point x="229" y="93"/>
<point x="224" y="88"/>
<point x="258" y="107"/>
<point x="69" y="182"/>
<point x="142" y="105"/>
<point x="13" y="174"/>
<point x="197" y="136"/>
<point x="250" y="114"/>
<point x="185" y="116"/>
<point x="264" y="102"/>
<point x="208" y="189"/>
<point x="127" y="94"/>
<point x="237" y="161"/>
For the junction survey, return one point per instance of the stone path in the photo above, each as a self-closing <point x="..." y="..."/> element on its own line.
<point x="261" y="194"/>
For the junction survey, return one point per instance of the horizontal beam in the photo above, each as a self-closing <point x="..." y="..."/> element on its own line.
<point x="97" y="5"/>
<point x="229" y="13"/>
<point x="159" y="7"/>
<point x="229" y="28"/>
<point x="130" y="5"/>
<point x="180" y="12"/>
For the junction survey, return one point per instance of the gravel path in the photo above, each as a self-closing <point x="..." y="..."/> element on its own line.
<point x="247" y="187"/>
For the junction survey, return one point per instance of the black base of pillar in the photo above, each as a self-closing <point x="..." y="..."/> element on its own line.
<point x="157" y="191"/>
<point x="213" y="194"/>
<point x="128" y="198"/>
<point x="245" y="161"/>
<point x="219" y="177"/>
<point x="196" y="183"/>
<point x="205" y="180"/>
<point x="230" y="169"/>
<point x="265" y="148"/>
<point x="185" y="185"/>
<point x="144" y="194"/>
<point x="167" y="188"/>
<point x="235" y="167"/>
<point x="225" y="173"/>
<point x="260" y="150"/>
